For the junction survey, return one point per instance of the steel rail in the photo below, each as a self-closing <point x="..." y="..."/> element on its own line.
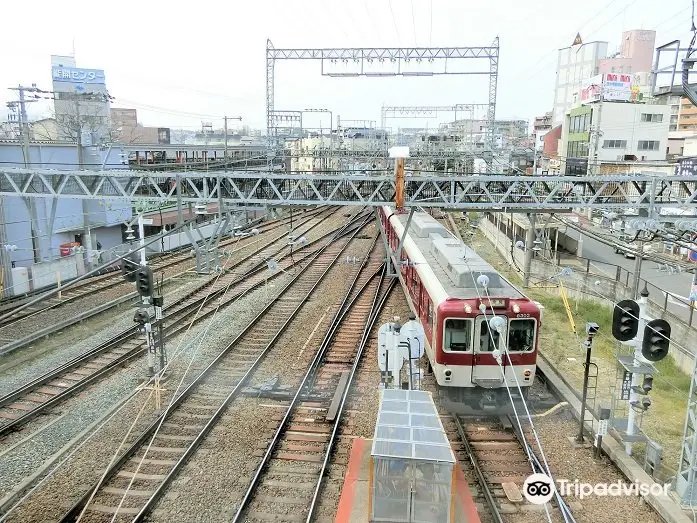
<point x="171" y="330"/>
<point x="539" y="468"/>
<point x="488" y="495"/>
<point x="118" y="338"/>
<point x="376" y="307"/>
<point x="78" y="507"/>
<point x="319" y="355"/>
<point x="6" y="349"/>
<point x="111" y="279"/>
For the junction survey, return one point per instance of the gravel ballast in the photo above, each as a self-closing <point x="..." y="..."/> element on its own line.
<point x="227" y="324"/>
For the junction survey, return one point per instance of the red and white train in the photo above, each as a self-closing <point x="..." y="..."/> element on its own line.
<point x="456" y="295"/>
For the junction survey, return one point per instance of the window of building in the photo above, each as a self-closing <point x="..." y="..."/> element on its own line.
<point x="648" y="145"/>
<point x="457" y="335"/>
<point x="655" y="118"/>
<point x="521" y="335"/>
<point x="615" y="144"/>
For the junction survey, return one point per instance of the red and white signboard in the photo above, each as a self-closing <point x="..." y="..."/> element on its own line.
<point x="591" y="89"/>
<point x="610" y="86"/>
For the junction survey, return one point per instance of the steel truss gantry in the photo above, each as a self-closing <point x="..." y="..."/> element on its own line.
<point x="484" y="192"/>
<point x="426" y="111"/>
<point x="362" y="56"/>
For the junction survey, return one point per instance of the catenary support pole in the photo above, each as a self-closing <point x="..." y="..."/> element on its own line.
<point x="529" y="242"/>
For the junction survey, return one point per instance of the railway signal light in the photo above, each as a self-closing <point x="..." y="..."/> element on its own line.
<point x="128" y="269"/>
<point x="144" y="281"/>
<point x="625" y="320"/>
<point x="656" y="340"/>
<point x="647" y="384"/>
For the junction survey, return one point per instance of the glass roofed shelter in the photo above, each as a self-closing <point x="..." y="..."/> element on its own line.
<point x="412" y="464"/>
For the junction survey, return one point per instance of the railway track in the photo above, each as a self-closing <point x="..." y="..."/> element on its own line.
<point x="501" y="457"/>
<point x="44" y="323"/>
<point x="113" y="279"/>
<point x="25" y="403"/>
<point x="134" y="482"/>
<point x="299" y="453"/>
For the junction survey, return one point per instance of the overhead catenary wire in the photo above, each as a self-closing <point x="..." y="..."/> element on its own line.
<point x="394" y="22"/>
<point x="176" y="353"/>
<point x="503" y="373"/>
<point x="94" y="271"/>
<point x="518" y="386"/>
<point x="413" y="22"/>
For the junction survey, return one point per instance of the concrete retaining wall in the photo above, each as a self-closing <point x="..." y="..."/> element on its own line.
<point x="45" y="274"/>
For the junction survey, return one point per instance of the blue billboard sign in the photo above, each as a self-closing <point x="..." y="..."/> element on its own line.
<point x="78" y="76"/>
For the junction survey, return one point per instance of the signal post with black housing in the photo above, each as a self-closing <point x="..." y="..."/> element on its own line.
<point x="134" y="272"/>
<point x="650" y="340"/>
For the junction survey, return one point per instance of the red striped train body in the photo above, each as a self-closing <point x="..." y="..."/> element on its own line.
<point x="442" y="280"/>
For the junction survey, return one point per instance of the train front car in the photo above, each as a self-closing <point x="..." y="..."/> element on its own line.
<point x="482" y="332"/>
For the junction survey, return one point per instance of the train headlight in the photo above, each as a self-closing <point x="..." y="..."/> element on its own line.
<point x="527" y="374"/>
<point x="468" y="308"/>
<point x="516" y="309"/>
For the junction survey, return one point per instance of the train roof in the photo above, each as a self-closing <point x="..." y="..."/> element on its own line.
<point x="455" y="265"/>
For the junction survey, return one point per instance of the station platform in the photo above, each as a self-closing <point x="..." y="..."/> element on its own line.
<point x="355" y="495"/>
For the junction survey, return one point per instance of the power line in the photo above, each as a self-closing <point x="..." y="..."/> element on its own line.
<point x="413" y="22"/>
<point x="430" y="27"/>
<point x="394" y="22"/>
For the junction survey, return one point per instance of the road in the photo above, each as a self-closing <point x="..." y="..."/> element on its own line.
<point x="677" y="285"/>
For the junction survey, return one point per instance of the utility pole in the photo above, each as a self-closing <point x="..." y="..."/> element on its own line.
<point x="225" y="127"/>
<point x="26" y="153"/>
<point x="529" y="243"/>
<point x="637" y="270"/>
<point x="141" y="234"/>
<point x="87" y="241"/>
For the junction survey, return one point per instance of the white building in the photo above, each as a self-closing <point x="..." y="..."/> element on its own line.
<point x="574" y="65"/>
<point x="628" y="132"/>
<point x="628" y="129"/>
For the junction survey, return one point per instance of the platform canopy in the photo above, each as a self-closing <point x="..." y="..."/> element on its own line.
<point x="408" y="427"/>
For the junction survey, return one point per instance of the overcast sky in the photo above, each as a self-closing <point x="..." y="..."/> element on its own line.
<point x="181" y="62"/>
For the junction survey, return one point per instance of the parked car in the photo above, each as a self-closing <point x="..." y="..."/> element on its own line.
<point x="627" y="247"/>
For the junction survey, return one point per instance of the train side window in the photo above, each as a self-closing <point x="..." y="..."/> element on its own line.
<point x="521" y="335"/>
<point x="414" y="283"/>
<point x="457" y="335"/>
<point x="429" y="317"/>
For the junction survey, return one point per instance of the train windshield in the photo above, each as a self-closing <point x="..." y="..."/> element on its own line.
<point x="457" y="335"/>
<point x="521" y="335"/>
<point x="488" y="338"/>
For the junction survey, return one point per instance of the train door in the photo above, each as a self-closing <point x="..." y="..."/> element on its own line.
<point x="485" y="370"/>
